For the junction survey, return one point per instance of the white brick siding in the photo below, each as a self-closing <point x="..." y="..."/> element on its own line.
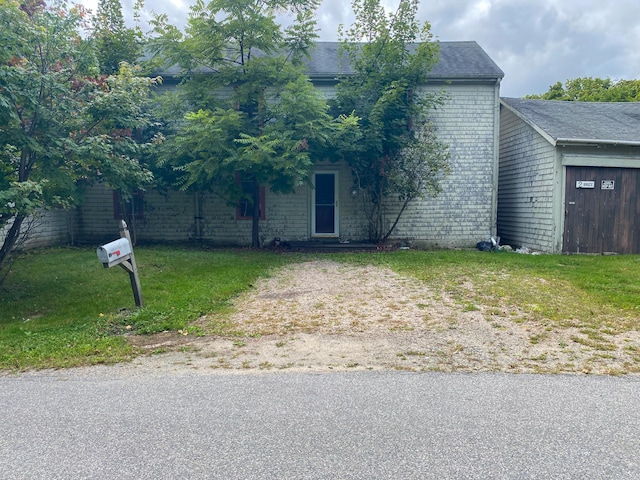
<point x="95" y="216"/>
<point x="463" y="214"/>
<point x="45" y="229"/>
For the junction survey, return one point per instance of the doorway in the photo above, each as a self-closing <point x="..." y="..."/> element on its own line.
<point x="324" y="205"/>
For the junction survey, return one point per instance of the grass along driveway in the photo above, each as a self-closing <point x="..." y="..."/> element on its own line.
<point x="444" y="310"/>
<point x="324" y="315"/>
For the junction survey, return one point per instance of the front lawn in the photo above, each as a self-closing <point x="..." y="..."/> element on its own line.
<point x="60" y="307"/>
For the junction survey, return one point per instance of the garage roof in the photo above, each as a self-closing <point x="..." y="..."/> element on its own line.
<point x="580" y="122"/>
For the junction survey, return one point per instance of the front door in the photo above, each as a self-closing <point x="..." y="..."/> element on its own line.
<point x="324" y="205"/>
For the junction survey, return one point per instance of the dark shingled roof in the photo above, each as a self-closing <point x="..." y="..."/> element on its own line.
<point x="581" y="122"/>
<point x="458" y="60"/>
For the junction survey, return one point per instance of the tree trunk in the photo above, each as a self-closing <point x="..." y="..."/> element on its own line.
<point x="378" y="214"/>
<point x="395" y="223"/>
<point x="10" y="240"/>
<point x="255" y="224"/>
<point x="131" y="224"/>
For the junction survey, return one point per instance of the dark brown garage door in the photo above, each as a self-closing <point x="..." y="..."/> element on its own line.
<point x="602" y="210"/>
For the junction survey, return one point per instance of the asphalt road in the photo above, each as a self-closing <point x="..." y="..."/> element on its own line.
<point x="359" y="425"/>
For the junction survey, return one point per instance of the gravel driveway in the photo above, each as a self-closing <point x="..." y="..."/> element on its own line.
<point x="324" y="315"/>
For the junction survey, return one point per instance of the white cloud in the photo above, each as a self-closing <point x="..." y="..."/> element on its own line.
<point x="535" y="42"/>
<point x="477" y="12"/>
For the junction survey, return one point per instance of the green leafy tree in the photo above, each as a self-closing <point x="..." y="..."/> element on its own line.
<point x="252" y="112"/>
<point x="399" y="155"/>
<point x="62" y="124"/>
<point x="588" y="89"/>
<point x="114" y="41"/>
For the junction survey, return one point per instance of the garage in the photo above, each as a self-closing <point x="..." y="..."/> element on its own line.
<point x="569" y="176"/>
<point x="602" y="210"/>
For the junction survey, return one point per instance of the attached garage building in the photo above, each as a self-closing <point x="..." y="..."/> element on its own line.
<point x="569" y="176"/>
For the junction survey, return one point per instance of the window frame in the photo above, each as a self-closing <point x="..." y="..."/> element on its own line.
<point x="138" y="205"/>
<point x="243" y="204"/>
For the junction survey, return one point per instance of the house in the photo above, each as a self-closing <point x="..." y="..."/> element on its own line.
<point x="332" y="209"/>
<point x="45" y="229"/>
<point x="464" y="213"/>
<point x="570" y="176"/>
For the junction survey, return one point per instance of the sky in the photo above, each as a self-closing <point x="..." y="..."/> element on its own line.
<point x="536" y="43"/>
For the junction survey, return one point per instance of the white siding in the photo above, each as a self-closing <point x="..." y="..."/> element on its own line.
<point x="528" y="182"/>
<point x="168" y="216"/>
<point x="171" y="216"/>
<point x="464" y="213"/>
<point x="95" y="218"/>
<point x="622" y="156"/>
<point x="45" y="229"/>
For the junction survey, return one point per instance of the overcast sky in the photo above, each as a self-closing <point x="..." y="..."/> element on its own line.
<point x="535" y="42"/>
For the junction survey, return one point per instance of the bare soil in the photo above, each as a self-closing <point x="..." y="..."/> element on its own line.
<point x="322" y="315"/>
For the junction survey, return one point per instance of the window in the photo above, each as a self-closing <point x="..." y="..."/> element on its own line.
<point x="245" y="206"/>
<point x="124" y="208"/>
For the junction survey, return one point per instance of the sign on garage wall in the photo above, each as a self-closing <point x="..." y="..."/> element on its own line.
<point x="585" y="184"/>
<point x="607" y="185"/>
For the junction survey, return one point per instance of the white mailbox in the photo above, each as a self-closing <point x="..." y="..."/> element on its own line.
<point x="115" y="252"/>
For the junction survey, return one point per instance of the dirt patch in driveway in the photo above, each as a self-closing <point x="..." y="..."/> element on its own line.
<point x="323" y="315"/>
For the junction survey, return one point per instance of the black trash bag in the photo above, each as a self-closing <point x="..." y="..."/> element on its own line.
<point x="488" y="246"/>
<point x="485" y="246"/>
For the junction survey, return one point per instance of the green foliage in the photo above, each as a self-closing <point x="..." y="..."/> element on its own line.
<point x="21" y="197"/>
<point x="420" y="165"/>
<point x="396" y="138"/>
<point x="250" y="108"/>
<point x="204" y="144"/>
<point x="589" y="89"/>
<point x="114" y="41"/>
<point x="61" y="123"/>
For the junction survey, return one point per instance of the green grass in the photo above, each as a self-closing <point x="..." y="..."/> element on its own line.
<point x="60" y="307"/>
<point x="583" y="291"/>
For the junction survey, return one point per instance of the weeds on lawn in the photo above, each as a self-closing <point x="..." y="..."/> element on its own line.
<point x="61" y="308"/>
<point x="585" y="292"/>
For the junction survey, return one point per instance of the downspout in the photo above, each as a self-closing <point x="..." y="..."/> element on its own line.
<point x="496" y="161"/>
<point x="71" y="216"/>
<point x="197" y="215"/>
<point x="559" y="209"/>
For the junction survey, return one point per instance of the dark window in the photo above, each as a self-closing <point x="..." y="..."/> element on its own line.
<point x="123" y="208"/>
<point x="245" y="206"/>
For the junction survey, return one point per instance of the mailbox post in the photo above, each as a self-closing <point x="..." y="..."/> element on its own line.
<point x="120" y="252"/>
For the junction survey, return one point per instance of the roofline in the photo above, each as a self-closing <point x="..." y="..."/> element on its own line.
<point x="494" y="76"/>
<point x="328" y="77"/>
<point x="480" y="77"/>
<point x="567" y="141"/>
<point x="526" y="120"/>
<point x="596" y="141"/>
